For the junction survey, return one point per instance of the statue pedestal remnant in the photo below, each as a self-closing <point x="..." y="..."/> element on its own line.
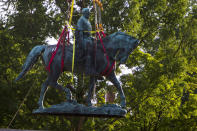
<point x="75" y="109"/>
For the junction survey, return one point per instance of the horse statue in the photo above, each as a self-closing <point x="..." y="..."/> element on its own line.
<point x="118" y="47"/>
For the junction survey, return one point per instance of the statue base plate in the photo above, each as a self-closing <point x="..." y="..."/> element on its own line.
<point x="75" y="109"/>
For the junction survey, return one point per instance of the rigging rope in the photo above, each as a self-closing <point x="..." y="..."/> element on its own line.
<point x="73" y="59"/>
<point x="20" y="105"/>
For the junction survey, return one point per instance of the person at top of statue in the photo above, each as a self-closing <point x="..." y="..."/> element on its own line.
<point x="84" y="40"/>
<point x="83" y="24"/>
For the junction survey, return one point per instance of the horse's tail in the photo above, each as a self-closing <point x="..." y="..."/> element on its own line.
<point x="31" y="60"/>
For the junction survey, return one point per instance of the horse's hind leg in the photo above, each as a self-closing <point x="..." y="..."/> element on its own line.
<point x="53" y="83"/>
<point x="42" y="93"/>
<point x="113" y="79"/>
<point x="61" y="88"/>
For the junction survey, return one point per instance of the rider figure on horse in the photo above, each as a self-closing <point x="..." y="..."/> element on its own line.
<point x="84" y="39"/>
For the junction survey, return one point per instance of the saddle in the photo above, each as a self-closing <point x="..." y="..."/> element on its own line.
<point x="85" y="47"/>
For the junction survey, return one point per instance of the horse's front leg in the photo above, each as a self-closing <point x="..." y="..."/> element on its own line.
<point x="91" y="88"/>
<point x="113" y="79"/>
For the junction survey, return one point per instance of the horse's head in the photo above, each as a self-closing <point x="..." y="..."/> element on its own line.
<point x="126" y="47"/>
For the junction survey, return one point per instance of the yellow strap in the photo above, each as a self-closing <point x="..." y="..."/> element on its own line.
<point x="73" y="60"/>
<point x="70" y="20"/>
<point x="71" y="12"/>
<point x="69" y="26"/>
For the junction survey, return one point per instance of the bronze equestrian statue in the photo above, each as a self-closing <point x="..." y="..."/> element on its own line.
<point x="118" y="47"/>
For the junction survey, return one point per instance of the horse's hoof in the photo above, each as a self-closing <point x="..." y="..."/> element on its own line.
<point x="89" y="104"/>
<point x="72" y="101"/>
<point x="40" y="108"/>
<point x="123" y="104"/>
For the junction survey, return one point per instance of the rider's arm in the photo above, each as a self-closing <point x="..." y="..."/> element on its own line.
<point x="80" y="25"/>
<point x="81" y="35"/>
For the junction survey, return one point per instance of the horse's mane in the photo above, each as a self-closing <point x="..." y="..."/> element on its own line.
<point x="110" y="44"/>
<point x="112" y="36"/>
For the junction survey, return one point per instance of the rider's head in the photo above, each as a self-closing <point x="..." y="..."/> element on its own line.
<point x="86" y="12"/>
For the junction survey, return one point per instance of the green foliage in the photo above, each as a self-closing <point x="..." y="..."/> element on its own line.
<point x="161" y="91"/>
